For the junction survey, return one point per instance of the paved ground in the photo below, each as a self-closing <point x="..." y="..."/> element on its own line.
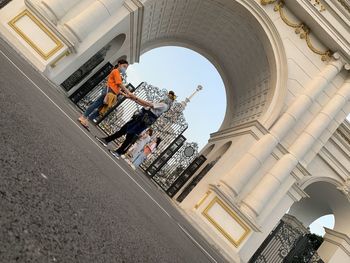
<point x="63" y="198"/>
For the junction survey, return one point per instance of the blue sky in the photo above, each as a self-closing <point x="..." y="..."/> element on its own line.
<point x="181" y="70"/>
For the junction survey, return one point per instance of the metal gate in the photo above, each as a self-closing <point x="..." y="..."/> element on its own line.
<point x="174" y="167"/>
<point x="285" y="244"/>
<point x="168" y="126"/>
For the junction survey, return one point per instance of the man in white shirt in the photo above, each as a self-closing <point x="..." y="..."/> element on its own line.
<point x="148" y="115"/>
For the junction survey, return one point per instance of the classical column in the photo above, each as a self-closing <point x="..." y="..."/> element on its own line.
<point x="56" y="9"/>
<point x="79" y="27"/>
<point x="249" y="164"/>
<point x="262" y="193"/>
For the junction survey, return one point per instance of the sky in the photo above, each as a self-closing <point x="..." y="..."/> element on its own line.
<point x="182" y="70"/>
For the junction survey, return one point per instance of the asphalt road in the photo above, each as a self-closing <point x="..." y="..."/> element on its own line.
<point x="63" y="198"/>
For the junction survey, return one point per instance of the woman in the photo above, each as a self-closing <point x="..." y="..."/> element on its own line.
<point x="143" y="154"/>
<point x="114" y="85"/>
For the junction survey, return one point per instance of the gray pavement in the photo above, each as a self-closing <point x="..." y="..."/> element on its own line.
<point x="63" y="198"/>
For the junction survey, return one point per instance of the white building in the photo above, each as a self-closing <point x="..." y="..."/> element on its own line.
<point x="284" y="142"/>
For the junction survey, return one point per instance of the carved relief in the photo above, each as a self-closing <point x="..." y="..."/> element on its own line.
<point x="300" y="28"/>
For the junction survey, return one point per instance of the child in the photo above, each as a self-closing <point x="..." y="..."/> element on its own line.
<point x="143" y="139"/>
<point x="147" y="150"/>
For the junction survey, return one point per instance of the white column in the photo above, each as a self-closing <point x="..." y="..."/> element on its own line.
<point x="56" y="9"/>
<point x="249" y="164"/>
<point x="93" y="16"/>
<point x="259" y="197"/>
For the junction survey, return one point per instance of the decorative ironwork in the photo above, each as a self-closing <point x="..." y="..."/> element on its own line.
<point x="289" y="242"/>
<point x="164" y="156"/>
<point x="4" y="2"/>
<point x="305" y="250"/>
<point x="167" y="163"/>
<point x="186" y="175"/>
<point x="85" y="69"/>
<point x="168" y="126"/>
<point x="174" y="167"/>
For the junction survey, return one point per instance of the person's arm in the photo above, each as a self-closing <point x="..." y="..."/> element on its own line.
<point x="142" y="102"/>
<point x="125" y="92"/>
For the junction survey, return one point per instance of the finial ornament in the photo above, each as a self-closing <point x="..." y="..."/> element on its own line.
<point x="188" y="99"/>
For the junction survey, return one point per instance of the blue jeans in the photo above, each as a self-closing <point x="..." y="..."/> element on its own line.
<point x="92" y="111"/>
<point x="137" y="160"/>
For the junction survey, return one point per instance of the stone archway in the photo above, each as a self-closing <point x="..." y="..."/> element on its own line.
<point x="239" y="42"/>
<point x="281" y="114"/>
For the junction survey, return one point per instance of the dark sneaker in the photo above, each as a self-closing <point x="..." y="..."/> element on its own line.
<point x="115" y="154"/>
<point x="102" y="141"/>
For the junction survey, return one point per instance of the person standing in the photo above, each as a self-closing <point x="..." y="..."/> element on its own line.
<point x="148" y="115"/>
<point x="115" y="86"/>
<point x="142" y="140"/>
<point x="143" y="154"/>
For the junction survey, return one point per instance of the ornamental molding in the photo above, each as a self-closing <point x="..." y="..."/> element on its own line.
<point x="300" y="29"/>
<point x="345" y="188"/>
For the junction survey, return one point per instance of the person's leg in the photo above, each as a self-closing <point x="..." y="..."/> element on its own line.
<point x="139" y="159"/>
<point x="95" y="114"/>
<point x="105" y="140"/>
<point x="95" y="105"/>
<point x="128" y="140"/>
<point x="117" y="134"/>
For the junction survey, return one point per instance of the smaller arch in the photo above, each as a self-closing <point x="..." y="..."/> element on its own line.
<point x="208" y="150"/>
<point x="115" y="45"/>
<point x="308" y="181"/>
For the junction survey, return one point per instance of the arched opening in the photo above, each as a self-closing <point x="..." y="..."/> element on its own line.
<point x="328" y="208"/>
<point x="182" y="70"/>
<point x="208" y="150"/>
<point x="247" y="55"/>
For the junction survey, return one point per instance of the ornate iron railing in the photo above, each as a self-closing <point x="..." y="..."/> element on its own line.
<point x="185" y="175"/>
<point x="174" y="167"/>
<point x="168" y="126"/>
<point x="289" y="242"/>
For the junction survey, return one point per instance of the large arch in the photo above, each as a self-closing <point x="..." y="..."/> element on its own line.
<point x="242" y="43"/>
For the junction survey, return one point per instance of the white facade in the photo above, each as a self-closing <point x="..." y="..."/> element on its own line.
<point x="285" y="66"/>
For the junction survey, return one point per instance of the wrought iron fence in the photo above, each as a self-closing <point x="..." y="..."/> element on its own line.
<point x="173" y="168"/>
<point x="186" y="175"/>
<point x="168" y="126"/>
<point x="289" y="242"/>
<point x="278" y="244"/>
